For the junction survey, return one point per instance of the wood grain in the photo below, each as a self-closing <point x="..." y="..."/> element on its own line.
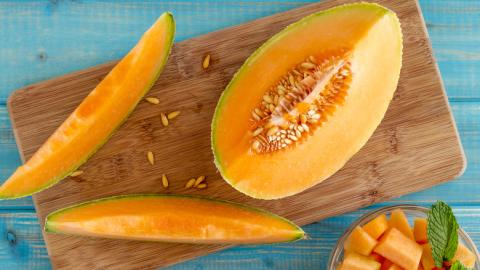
<point x="415" y="147"/>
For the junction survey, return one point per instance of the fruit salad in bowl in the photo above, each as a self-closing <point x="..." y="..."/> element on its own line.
<point x="405" y="237"/>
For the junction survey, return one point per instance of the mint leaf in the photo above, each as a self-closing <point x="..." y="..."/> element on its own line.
<point x="457" y="265"/>
<point x="442" y="232"/>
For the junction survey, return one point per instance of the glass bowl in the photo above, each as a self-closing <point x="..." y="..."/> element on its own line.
<point x="412" y="211"/>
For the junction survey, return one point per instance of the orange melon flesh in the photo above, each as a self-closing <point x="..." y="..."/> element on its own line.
<point x="95" y="119"/>
<point x="399" y="249"/>
<point x="166" y="218"/>
<point x="372" y="37"/>
<point x="354" y="261"/>
<point x="377" y="226"/>
<point x="399" y="220"/>
<point x="420" y="230"/>
<point x="427" y="259"/>
<point x="464" y="255"/>
<point x="360" y="241"/>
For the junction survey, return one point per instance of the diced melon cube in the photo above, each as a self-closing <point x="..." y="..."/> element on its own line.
<point x="376" y="257"/>
<point x="360" y="241"/>
<point x="427" y="260"/>
<point x="386" y="264"/>
<point x="464" y="255"/>
<point x="395" y="267"/>
<point x="420" y="230"/>
<point x="399" y="221"/>
<point x="377" y="226"/>
<point x="356" y="261"/>
<point x="399" y="249"/>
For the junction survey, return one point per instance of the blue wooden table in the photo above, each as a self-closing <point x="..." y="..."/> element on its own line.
<point x="44" y="39"/>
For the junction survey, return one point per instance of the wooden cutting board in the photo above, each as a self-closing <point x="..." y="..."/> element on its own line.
<point x="415" y="147"/>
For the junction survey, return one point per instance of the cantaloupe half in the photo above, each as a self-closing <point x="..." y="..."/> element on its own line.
<point x="173" y="218"/>
<point x="95" y="119"/>
<point x="307" y="100"/>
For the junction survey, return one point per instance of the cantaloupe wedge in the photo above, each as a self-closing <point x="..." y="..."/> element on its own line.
<point x="360" y="241"/>
<point x="427" y="260"/>
<point x="172" y="218"/>
<point x="464" y="255"/>
<point x="399" y="220"/>
<point x="420" y="230"/>
<point x="96" y="118"/>
<point x="399" y="249"/>
<point x="356" y="261"/>
<point x="377" y="226"/>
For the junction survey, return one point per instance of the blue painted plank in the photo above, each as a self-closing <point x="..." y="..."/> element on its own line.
<point x="44" y="39"/>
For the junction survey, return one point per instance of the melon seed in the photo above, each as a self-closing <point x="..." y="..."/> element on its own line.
<point x="190" y="183"/>
<point x="164" y="119"/>
<point x="206" y="61"/>
<point x="76" y="173"/>
<point x="202" y="186"/>
<point x="199" y="180"/>
<point x="150" y="157"/>
<point x="164" y="181"/>
<point x="152" y="100"/>
<point x="172" y="115"/>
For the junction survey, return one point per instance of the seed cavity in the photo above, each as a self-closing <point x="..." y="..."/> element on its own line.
<point x="152" y="100"/>
<point x="300" y="102"/>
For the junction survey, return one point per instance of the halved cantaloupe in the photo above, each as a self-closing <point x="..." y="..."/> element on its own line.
<point x="95" y="119"/>
<point x="173" y="218"/>
<point x="377" y="226"/>
<point x="307" y="100"/>
<point x="420" y="230"/>
<point x="399" y="220"/>
<point x="399" y="249"/>
<point x="360" y="241"/>
<point x="354" y="261"/>
<point x="464" y="255"/>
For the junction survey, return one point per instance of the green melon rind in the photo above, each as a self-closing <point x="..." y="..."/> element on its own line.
<point x="265" y="46"/>
<point x="50" y="219"/>
<point x="169" y="43"/>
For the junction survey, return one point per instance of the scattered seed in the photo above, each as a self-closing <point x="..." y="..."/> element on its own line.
<point x="202" y="186"/>
<point x="199" y="180"/>
<point x="206" y="61"/>
<point x="190" y="183"/>
<point x="172" y="115"/>
<point x="152" y="100"/>
<point x="164" y="181"/>
<point x="164" y="119"/>
<point x="150" y="157"/>
<point x="76" y="173"/>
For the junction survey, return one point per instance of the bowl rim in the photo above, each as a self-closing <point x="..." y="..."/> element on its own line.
<point x="338" y="250"/>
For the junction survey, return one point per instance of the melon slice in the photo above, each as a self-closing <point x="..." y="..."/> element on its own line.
<point x="420" y="230"/>
<point x="360" y="241"/>
<point x="399" y="220"/>
<point x="399" y="249"/>
<point x="96" y="118"/>
<point x="172" y="218"/>
<point x="307" y="100"/>
<point x="377" y="226"/>
<point x="464" y="255"/>
<point x="356" y="261"/>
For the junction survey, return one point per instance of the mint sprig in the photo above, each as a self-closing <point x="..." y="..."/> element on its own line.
<point x="457" y="265"/>
<point x="442" y="232"/>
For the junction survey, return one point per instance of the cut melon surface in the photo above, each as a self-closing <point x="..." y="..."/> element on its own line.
<point x="360" y="241"/>
<point x="99" y="114"/>
<point x="356" y="261"/>
<point x="307" y="100"/>
<point x="399" y="249"/>
<point x="427" y="260"/>
<point x="377" y="226"/>
<point x="399" y="220"/>
<point x="420" y="230"/>
<point x="464" y="255"/>
<point x="173" y="218"/>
